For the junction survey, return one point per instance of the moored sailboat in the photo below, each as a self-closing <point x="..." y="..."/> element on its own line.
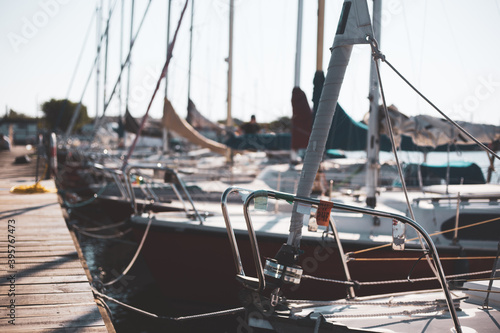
<point x="269" y="307"/>
<point x="202" y="243"/>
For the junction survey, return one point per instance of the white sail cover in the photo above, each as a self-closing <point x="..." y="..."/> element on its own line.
<point x="173" y="122"/>
<point x="432" y="131"/>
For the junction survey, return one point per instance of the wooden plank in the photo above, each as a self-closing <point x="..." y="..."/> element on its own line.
<point x="50" y="310"/>
<point x="44" y="248"/>
<point x="26" y="220"/>
<point x="92" y="329"/>
<point x="60" y="321"/>
<point x="56" y="253"/>
<point x="47" y="288"/>
<point x="26" y="242"/>
<point x="38" y="234"/>
<point x="53" y="298"/>
<point x="48" y="279"/>
<point x="53" y="272"/>
<point x="52" y="264"/>
<point x="34" y="260"/>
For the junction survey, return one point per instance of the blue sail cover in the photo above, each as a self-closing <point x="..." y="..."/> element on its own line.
<point x="351" y="135"/>
<point x="433" y="174"/>
<point x="345" y="133"/>
<point x="260" y="142"/>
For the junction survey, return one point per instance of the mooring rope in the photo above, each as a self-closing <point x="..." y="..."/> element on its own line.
<point x="134" y="258"/>
<point x="104" y="227"/>
<point x="89" y="234"/>
<point x="102" y="296"/>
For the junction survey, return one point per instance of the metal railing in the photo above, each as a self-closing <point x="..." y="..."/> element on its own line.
<point x="259" y="283"/>
<point x="174" y="182"/>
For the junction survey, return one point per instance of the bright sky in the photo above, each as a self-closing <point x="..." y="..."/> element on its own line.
<point x="447" y="48"/>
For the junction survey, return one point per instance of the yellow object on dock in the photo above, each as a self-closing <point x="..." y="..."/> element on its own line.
<point x="30" y="189"/>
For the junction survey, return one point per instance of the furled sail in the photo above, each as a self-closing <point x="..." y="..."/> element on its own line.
<point x="152" y="128"/>
<point x="200" y="122"/>
<point x="301" y="120"/>
<point x="173" y="122"/>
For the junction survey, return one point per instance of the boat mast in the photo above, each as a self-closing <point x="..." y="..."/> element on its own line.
<point x="354" y="28"/>
<point x="298" y="47"/>
<point x="190" y="51"/>
<point x="298" y="54"/>
<point x="98" y="65"/>
<point x="120" y="106"/>
<point x="373" y="137"/>
<point x="131" y="43"/>
<point x="319" y="76"/>
<point x="165" y="130"/>
<point x="229" y="119"/>
<point x="320" y="35"/>
<point x="106" y="47"/>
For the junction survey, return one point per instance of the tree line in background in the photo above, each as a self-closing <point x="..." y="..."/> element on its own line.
<point x="58" y="113"/>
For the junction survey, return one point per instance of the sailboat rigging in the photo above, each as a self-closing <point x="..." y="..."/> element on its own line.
<point x="171" y="233"/>
<point x="162" y="75"/>
<point x="354" y="28"/>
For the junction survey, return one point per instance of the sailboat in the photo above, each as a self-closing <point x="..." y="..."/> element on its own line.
<point x="191" y="245"/>
<point x="194" y="247"/>
<point x="272" y="307"/>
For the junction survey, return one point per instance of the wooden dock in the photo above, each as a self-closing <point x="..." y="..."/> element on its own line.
<point x="44" y="286"/>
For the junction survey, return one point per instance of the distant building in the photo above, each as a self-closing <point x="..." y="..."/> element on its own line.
<point x="20" y="131"/>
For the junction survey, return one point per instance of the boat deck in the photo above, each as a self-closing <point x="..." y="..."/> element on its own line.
<point x="44" y="286"/>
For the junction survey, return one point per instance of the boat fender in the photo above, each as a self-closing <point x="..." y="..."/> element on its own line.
<point x="53" y="153"/>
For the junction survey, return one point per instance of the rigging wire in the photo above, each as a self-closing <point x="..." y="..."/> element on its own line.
<point x="105" y="77"/>
<point x="122" y="67"/>
<point x="85" y="40"/>
<point x="162" y="75"/>
<point x="376" y="56"/>
<point x="470" y="136"/>
<point x="96" y="60"/>
<point x="131" y="42"/>
<point x="433" y="234"/>
<point x="80" y="55"/>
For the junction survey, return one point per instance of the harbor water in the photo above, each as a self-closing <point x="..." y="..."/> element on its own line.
<point x="109" y="253"/>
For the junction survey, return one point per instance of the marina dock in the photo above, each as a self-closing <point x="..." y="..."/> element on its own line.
<point x="44" y="282"/>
